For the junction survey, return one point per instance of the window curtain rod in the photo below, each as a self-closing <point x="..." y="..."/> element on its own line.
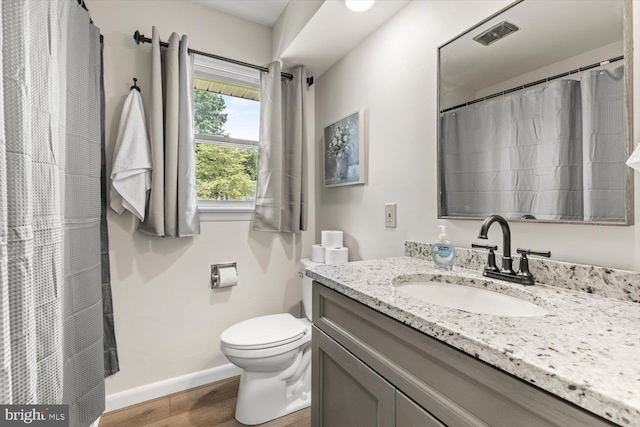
<point x="528" y="85"/>
<point x="140" y="38"/>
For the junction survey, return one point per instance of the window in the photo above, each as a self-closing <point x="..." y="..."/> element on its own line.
<point x="226" y="127"/>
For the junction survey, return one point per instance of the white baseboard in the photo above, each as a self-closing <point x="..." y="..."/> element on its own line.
<point x="173" y="385"/>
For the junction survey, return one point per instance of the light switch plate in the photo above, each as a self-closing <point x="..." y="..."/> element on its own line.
<point x="390" y="219"/>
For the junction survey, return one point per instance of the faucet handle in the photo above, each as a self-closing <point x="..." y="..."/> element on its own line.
<point x="526" y="278"/>
<point x="526" y="252"/>
<point x="491" y="261"/>
<point x="490" y="248"/>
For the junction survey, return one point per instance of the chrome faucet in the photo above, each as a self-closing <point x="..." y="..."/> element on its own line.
<point x="524" y="276"/>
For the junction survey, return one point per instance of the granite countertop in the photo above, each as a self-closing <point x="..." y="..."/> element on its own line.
<point x="585" y="350"/>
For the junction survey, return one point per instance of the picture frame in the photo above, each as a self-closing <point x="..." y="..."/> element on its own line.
<point x="344" y="150"/>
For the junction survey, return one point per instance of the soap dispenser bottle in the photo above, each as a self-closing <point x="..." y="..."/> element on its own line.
<point x="444" y="253"/>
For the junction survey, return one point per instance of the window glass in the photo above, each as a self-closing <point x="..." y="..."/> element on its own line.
<point x="243" y="118"/>
<point x="210" y="116"/>
<point x="226" y="168"/>
<point x="226" y="173"/>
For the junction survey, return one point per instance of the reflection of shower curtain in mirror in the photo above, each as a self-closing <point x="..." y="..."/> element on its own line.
<point x="603" y="145"/>
<point x="555" y="153"/>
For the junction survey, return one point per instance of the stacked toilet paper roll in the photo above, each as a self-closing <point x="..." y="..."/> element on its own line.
<point x="330" y="251"/>
<point x="336" y="256"/>
<point x="317" y="253"/>
<point x="332" y="239"/>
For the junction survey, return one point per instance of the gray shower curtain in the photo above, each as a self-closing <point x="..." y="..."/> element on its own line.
<point x="111" y="362"/>
<point x="82" y="303"/>
<point x="555" y="153"/>
<point x="32" y="205"/>
<point x="281" y="193"/>
<point x="51" y="324"/>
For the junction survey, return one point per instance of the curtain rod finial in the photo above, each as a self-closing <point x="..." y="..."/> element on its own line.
<point x="138" y="37"/>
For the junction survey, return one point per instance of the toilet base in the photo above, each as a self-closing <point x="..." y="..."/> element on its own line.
<point x="265" y="396"/>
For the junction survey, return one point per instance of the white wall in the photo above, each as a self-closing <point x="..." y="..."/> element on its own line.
<point x="168" y="321"/>
<point x="291" y="21"/>
<point x="392" y="76"/>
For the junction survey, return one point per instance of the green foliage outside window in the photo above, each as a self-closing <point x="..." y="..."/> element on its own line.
<point x="209" y="113"/>
<point x="222" y="172"/>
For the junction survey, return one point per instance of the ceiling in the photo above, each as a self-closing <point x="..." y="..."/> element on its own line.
<point x="263" y="12"/>
<point x="326" y="37"/>
<point x="333" y="31"/>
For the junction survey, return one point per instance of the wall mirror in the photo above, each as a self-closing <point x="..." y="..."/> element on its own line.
<point x="535" y="115"/>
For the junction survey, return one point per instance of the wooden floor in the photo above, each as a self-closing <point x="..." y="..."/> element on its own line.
<point x="207" y="406"/>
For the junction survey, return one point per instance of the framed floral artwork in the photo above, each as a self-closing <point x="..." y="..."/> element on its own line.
<point x="344" y="152"/>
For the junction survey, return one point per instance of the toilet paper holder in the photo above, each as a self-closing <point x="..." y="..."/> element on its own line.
<point x="215" y="272"/>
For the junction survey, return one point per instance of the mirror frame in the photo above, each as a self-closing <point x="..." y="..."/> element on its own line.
<point x="628" y="122"/>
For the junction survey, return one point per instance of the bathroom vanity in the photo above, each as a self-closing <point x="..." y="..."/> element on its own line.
<point x="516" y="138"/>
<point x="384" y="358"/>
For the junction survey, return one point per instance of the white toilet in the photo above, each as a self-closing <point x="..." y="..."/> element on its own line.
<point x="275" y="353"/>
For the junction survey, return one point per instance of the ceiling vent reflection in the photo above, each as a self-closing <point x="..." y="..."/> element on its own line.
<point x="496" y="33"/>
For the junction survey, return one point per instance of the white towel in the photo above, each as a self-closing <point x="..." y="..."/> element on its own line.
<point x="131" y="171"/>
<point x="634" y="159"/>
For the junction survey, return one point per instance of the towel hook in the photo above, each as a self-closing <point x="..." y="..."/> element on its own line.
<point x="135" y="85"/>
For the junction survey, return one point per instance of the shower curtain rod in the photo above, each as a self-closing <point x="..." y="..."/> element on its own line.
<point x="140" y="38"/>
<point x="528" y="85"/>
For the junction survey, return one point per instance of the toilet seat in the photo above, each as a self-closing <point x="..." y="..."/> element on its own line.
<point x="263" y="332"/>
<point x="258" y="335"/>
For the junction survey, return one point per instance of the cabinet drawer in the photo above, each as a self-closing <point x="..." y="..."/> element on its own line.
<point x="456" y="388"/>
<point x="409" y="414"/>
<point x="345" y="392"/>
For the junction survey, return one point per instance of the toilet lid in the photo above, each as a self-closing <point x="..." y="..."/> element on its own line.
<point x="264" y="332"/>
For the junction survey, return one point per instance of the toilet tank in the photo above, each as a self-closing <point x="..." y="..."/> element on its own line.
<point x="306" y="283"/>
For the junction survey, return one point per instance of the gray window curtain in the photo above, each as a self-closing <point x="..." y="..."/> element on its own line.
<point x="172" y="208"/>
<point x="536" y="153"/>
<point x="51" y="323"/>
<point x="281" y="194"/>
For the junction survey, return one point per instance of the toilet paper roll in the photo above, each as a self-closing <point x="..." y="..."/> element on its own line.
<point x="332" y="239"/>
<point x="317" y="253"/>
<point x="228" y="277"/>
<point x="336" y="256"/>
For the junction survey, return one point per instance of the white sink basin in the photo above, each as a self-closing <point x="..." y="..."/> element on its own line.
<point x="467" y="298"/>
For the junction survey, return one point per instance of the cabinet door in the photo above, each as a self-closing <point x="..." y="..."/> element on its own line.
<point x="409" y="414"/>
<point x="345" y="392"/>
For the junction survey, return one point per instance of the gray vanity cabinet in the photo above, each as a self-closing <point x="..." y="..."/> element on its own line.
<point x="352" y="395"/>
<point x="410" y="414"/>
<point x="371" y="370"/>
